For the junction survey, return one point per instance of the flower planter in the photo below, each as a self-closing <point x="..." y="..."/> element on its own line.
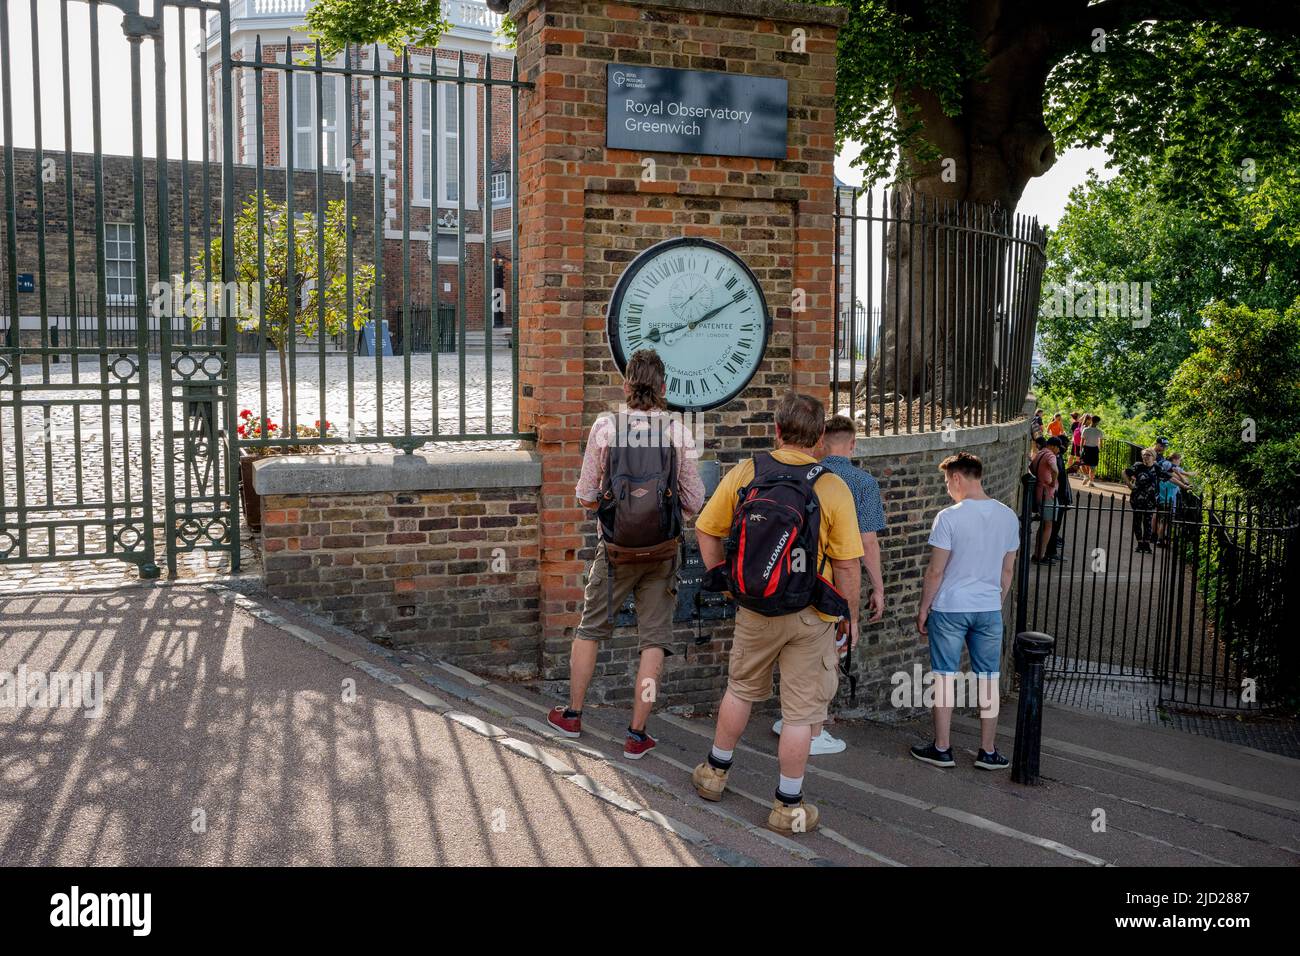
<point x="250" y="499"/>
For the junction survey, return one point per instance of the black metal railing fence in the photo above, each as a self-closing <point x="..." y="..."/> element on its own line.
<point x="950" y="292"/>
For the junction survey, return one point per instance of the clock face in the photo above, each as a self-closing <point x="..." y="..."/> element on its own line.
<point x="697" y="304"/>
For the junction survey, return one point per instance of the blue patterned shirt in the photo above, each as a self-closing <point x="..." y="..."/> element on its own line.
<point x="866" y="492"/>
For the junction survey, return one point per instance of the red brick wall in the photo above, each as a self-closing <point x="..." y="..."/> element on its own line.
<point x="453" y="568"/>
<point x="583" y="208"/>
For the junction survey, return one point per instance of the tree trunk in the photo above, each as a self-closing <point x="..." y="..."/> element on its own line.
<point x="284" y="388"/>
<point x="942" y="293"/>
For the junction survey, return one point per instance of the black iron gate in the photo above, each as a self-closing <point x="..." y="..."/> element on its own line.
<point x="84" y="438"/>
<point x="1190" y="599"/>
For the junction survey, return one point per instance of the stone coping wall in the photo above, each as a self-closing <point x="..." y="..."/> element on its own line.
<point x="442" y="551"/>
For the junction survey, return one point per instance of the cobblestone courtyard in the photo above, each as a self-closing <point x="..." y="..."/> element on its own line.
<point x="59" y="471"/>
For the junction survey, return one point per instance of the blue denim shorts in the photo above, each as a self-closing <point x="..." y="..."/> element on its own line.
<point x="981" y="631"/>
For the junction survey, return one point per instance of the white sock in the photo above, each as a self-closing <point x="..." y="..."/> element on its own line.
<point x="790" y="786"/>
<point x="722" y="756"/>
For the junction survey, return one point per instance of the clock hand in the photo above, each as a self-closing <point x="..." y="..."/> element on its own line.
<point x="711" y="313"/>
<point x="693" y="295"/>
<point x="654" y="334"/>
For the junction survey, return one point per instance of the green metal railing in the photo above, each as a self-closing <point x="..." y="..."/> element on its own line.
<point x="411" y="425"/>
<point x="120" y="427"/>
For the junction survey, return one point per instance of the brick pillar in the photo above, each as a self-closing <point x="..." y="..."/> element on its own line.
<point x="585" y="211"/>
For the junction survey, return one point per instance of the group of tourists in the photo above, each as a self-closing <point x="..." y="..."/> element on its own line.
<point x="786" y="535"/>
<point x="1082" y="437"/>
<point x="1053" y="496"/>
<point x="1155" y="482"/>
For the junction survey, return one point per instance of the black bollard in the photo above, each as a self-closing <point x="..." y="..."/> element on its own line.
<point x="1031" y="649"/>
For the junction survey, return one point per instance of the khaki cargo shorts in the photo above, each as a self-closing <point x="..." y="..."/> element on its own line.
<point x="654" y="588"/>
<point x="803" y="645"/>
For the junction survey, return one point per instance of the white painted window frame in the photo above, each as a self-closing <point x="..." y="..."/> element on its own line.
<point x="308" y="164"/>
<point x="419" y="94"/>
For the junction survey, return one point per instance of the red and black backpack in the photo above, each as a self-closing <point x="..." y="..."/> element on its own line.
<point x="771" y="551"/>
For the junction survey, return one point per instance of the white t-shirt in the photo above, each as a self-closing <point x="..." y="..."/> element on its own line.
<point x="978" y="532"/>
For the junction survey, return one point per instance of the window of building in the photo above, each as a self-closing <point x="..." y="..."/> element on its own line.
<point x="119" y="261"/>
<point x="307" y="120"/>
<point x="215" y="152"/>
<point x="449" y="138"/>
<point x="500" y="187"/>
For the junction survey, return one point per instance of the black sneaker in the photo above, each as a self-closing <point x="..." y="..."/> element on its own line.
<point x="992" y="761"/>
<point x="933" y="755"/>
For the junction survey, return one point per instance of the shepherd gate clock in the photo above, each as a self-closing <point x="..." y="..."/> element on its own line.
<point x="696" y="303"/>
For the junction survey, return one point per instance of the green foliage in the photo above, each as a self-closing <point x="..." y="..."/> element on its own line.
<point x="1242" y="383"/>
<point x="1123" y="422"/>
<point x="315" y="280"/>
<point x="1194" y="108"/>
<point x="1197" y="97"/>
<point x="1120" y="231"/>
<point x="317" y="283"/>
<point x="394" y="23"/>
<point x="883" y="53"/>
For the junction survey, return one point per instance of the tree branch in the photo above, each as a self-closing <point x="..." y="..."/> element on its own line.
<point x="1074" y="25"/>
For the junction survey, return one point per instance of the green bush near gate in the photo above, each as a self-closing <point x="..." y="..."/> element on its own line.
<point x="1233" y="405"/>
<point x="317" y="286"/>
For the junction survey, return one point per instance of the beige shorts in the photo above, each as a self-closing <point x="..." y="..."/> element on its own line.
<point x="803" y="645"/>
<point x="654" y="588"/>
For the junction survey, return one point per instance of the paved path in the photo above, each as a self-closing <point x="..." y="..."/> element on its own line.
<point x="241" y="714"/>
<point x="211" y="711"/>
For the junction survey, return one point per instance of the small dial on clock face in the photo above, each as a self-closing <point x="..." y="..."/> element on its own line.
<point x="698" y="305"/>
<point x="690" y="297"/>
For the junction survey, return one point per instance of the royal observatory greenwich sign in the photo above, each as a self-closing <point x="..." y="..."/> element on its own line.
<point x="661" y="110"/>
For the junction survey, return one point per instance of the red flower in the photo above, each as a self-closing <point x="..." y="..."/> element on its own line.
<point x="246" y="413"/>
<point x="240" y="429"/>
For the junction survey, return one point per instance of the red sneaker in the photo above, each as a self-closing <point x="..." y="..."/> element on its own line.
<point x="634" y="749"/>
<point x="568" y="726"/>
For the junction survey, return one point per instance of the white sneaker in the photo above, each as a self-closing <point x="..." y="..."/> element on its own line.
<point x="823" y="743"/>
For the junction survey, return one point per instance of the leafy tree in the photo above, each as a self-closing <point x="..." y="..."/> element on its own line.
<point x="1120" y="231"/>
<point x="395" y="23"/>
<point x="1234" y="403"/>
<point x="315" y="279"/>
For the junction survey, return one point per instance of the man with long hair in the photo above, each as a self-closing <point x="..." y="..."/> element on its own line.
<point x="643" y="424"/>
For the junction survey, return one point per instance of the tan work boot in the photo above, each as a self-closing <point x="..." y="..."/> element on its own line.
<point x="709" y="781"/>
<point x="801" y="818"/>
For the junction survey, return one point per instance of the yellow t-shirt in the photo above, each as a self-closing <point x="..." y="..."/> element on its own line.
<point x="838" y="538"/>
